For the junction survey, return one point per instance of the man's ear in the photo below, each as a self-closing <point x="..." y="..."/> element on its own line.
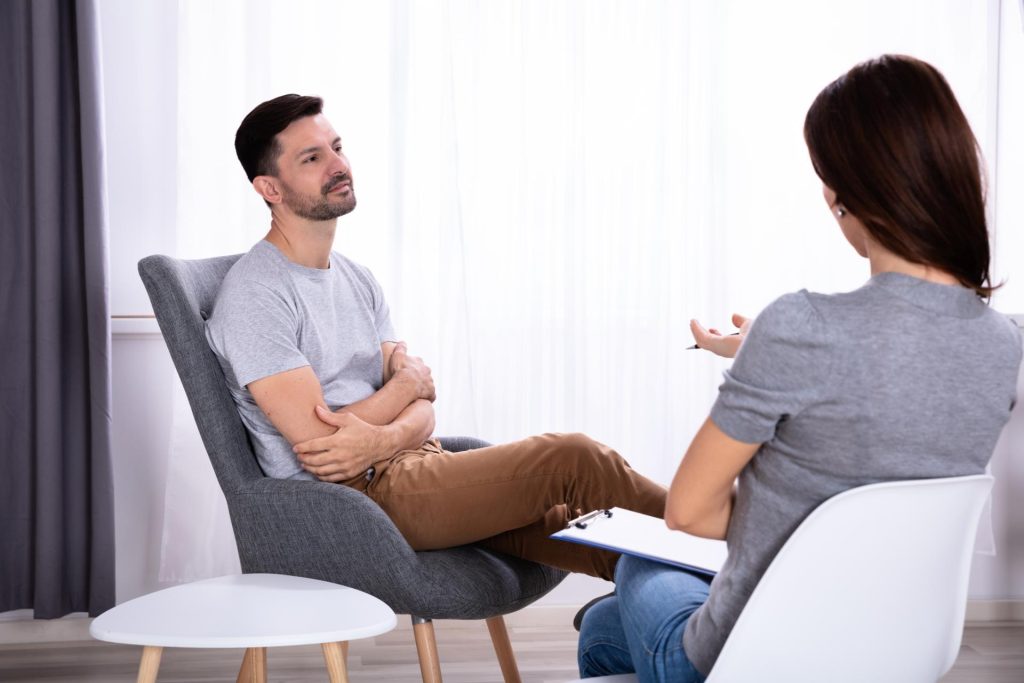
<point x="267" y="187"/>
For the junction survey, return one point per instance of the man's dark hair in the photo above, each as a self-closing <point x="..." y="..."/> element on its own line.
<point x="256" y="140"/>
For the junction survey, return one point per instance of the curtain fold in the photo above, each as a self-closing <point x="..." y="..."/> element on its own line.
<point x="56" y="493"/>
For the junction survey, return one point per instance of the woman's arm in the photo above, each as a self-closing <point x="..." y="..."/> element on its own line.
<point x="700" y="498"/>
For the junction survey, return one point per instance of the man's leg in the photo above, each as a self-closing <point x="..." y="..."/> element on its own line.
<point x="533" y="542"/>
<point x="440" y="499"/>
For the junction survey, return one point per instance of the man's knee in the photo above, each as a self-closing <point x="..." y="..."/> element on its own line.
<point x="585" y="450"/>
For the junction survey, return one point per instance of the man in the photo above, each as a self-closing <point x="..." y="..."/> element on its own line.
<point x="305" y="340"/>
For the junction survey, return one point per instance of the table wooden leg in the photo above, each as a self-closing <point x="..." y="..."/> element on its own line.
<point x="335" y="655"/>
<point x="426" y="646"/>
<point x="503" y="648"/>
<point x="254" y="666"/>
<point x="150" y="664"/>
<point x="244" y="671"/>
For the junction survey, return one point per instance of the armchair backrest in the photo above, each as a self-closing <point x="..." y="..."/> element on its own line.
<point x="182" y="293"/>
<point x="871" y="587"/>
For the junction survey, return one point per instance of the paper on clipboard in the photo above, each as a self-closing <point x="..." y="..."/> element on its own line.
<point x="637" y="534"/>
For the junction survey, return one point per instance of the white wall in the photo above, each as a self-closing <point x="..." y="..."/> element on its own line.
<point x="143" y="377"/>
<point x="140" y="87"/>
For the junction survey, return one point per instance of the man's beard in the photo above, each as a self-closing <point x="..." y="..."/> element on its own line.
<point x="322" y="207"/>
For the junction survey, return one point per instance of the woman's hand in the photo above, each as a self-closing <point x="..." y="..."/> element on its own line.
<point x="725" y="345"/>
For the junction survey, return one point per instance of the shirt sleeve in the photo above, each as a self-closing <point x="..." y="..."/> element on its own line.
<point x="381" y="312"/>
<point x="255" y="333"/>
<point x="782" y="367"/>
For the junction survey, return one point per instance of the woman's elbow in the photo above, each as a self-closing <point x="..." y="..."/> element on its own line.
<point x="698" y="521"/>
<point x="678" y="518"/>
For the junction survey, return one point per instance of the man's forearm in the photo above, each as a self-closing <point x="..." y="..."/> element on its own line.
<point x="357" y="445"/>
<point x="411" y="428"/>
<point x="385" y="405"/>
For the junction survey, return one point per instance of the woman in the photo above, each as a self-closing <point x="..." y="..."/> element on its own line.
<point x="829" y="392"/>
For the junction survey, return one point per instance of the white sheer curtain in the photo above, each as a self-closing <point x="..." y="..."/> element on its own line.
<point x="549" y="191"/>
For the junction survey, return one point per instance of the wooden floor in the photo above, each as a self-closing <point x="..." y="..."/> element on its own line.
<point x="544" y="641"/>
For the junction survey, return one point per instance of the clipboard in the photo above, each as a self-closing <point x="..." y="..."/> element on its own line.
<point x="633" y="533"/>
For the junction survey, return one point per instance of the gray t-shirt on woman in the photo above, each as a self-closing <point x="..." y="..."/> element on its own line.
<point x="900" y="379"/>
<point x="273" y="315"/>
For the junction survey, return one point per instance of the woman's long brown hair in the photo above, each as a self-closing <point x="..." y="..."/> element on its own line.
<point x="891" y="141"/>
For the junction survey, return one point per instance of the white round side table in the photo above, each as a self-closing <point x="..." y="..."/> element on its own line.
<point x="254" y="611"/>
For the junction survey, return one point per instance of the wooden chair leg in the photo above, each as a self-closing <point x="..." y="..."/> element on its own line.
<point x="335" y="655"/>
<point x="503" y="648"/>
<point x="254" y="666"/>
<point x="426" y="646"/>
<point x="150" y="664"/>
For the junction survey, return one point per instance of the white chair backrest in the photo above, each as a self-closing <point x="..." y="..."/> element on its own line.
<point x="871" y="587"/>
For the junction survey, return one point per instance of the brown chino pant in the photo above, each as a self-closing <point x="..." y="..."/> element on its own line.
<point x="511" y="497"/>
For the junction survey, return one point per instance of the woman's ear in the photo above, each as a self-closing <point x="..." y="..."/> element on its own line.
<point x="854" y="231"/>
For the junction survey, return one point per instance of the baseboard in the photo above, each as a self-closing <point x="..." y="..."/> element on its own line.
<point x="17" y="631"/>
<point x="980" y="611"/>
<point x="27" y="630"/>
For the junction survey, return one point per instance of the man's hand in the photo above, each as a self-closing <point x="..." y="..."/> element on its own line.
<point x="348" y="452"/>
<point x="725" y="345"/>
<point x="411" y="370"/>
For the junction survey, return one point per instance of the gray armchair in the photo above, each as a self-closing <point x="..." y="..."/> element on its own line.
<point x="320" y="530"/>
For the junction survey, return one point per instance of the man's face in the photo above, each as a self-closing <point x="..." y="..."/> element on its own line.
<point x="313" y="172"/>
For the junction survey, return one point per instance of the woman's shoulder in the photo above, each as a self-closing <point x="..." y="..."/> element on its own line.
<point x="1001" y="330"/>
<point x="851" y="314"/>
<point x="854" y="308"/>
<point x="816" y="315"/>
<point x="791" y="324"/>
<point x="1002" y="325"/>
<point x="795" y="310"/>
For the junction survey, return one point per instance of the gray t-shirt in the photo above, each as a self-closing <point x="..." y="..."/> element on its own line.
<point x="273" y="315"/>
<point x="900" y="379"/>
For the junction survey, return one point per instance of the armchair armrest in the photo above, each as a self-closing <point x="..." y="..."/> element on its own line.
<point x="335" y="533"/>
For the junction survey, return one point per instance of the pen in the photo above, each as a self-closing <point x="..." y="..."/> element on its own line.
<point x="581" y="522"/>
<point x="690" y="348"/>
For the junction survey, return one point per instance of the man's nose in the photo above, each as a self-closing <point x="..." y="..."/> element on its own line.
<point x="339" y="164"/>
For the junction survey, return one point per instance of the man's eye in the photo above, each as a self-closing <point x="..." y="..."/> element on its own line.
<point x="337" y="149"/>
<point x="309" y="159"/>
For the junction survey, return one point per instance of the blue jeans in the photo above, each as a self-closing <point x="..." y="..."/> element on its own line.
<point x="640" y="628"/>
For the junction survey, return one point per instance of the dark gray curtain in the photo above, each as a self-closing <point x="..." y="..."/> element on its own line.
<point x="56" y="495"/>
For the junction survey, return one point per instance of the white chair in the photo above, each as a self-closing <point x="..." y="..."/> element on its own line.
<point x="872" y="586"/>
